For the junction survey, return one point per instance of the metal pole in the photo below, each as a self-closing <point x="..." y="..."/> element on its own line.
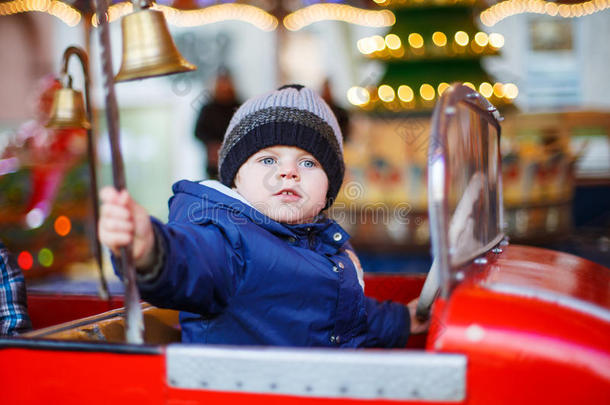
<point x="95" y="242"/>
<point x="134" y="322"/>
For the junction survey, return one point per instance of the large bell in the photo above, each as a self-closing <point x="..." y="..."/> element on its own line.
<point x="68" y="110"/>
<point x="148" y="48"/>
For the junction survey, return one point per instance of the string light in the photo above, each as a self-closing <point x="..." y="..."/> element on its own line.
<point x="507" y="8"/>
<point x="64" y="12"/>
<point x="468" y="84"/>
<point x="481" y="39"/>
<point x="375" y="46"/>
<point x="426" y="92"/>
<point x="378" y="43"/>
<point x="208" y="15"/>
<point x="498" y="90"/>
<point x="486" y="89"/>
<point x="442" y="87"/>
<point x="511" y="91"/>
<point x="392" y="41"/>
<point x="361" y="97"/>
<point x="405" y="93"/>
<point x="461" y="38"/>
<point x="439" y="39"/>
<point x="415" y="40"/>
<point x="396" y="3"/>
<point x="496" y="40"/>
<point x="386" y="93"/>
<point x="358" y="96"/>
<point x="338" y="12"/>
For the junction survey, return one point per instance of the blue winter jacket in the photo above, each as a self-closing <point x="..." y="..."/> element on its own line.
<point x="241" y="278"/>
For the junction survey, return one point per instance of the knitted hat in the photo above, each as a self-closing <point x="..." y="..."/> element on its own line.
<point x="292" y="115"/>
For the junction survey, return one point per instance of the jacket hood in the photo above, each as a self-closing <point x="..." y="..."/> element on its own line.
<point x="195" y="202"/>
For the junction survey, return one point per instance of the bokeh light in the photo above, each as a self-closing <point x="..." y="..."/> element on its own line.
<point x="63" y="225"/>
<point x="25" y="260"/>
<point x="439" y="39"/>
<point x="386" y="93"/>
<point x="358" y="96"/>
<point x="392" y="41"/>
<point x="442" y="87"/>
<point x="416" y="40"/>
<point x="486" y="89"/>
<point x="405" y="93"/>
<point x="426" y="92"/>
<point x="481" y="39"/>
<point x="461" y="38"/>
<point x="45" y="257"/>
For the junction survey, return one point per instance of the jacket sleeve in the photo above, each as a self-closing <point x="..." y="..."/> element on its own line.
<point x="389" y="323"/>
<point x="202" y="264"/>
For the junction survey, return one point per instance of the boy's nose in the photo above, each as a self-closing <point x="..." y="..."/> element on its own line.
<point x="289" y="172"/>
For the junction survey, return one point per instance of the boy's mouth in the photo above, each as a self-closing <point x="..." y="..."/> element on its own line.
<point x="288" y="194"/>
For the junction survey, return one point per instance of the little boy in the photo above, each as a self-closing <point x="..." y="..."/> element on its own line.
<point x="250" y="259"/>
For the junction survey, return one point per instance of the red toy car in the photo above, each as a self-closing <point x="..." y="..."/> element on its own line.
<point x="511" y="324"/>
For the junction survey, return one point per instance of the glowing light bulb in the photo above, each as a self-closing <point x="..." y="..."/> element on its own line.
<point x="405" y="93"/>
<point x="426" y="92"/>
<point x="439" y="39"/>
<point x="498" y="90"/>
<point x="496" y="40"/>
<point x="468" y="84"/>
<point x="386" y="93"/>
<point x="416" y="40"/>
<point x="392" y="41"/>
<point x="481" y="39"/>
<point x="365" y="46"/>
<point x="358" y="96"/>
<point x="461" y="38"/>
<point x="511" y="91"/>
<point x="551" y="9"/>
<point x="442" y="87"/>
<point x="486" y="89"/>
<point x="379" y="43"/>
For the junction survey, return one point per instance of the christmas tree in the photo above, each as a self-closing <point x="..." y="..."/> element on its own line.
<point x="432" y="44"/>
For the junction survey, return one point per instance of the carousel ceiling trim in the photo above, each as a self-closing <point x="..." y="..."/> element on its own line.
<point x="65" y="12"/>
<point x="508" y="8"/>
<point x="208" y="15"/>
<point x="305" y="16"/>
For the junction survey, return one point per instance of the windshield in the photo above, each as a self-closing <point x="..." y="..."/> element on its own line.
<point x="473" y="185"/>
<point x="464" y="184"/>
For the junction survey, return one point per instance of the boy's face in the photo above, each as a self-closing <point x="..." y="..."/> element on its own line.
<point x="285" y="183"/>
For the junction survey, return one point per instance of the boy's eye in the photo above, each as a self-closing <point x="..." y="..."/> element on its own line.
<point x="267" y="161"/>
<point x="308" y="163"/>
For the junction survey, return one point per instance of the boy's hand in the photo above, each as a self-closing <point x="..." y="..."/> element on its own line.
<point x="417" y="326"/>
<point x="123" y="221"/>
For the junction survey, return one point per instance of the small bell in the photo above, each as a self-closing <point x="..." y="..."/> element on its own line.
<point x="68" y="110"/>
<point x="148" y="48"/>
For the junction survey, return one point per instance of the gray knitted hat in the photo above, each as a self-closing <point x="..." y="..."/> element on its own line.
<point x="292" y="115"/>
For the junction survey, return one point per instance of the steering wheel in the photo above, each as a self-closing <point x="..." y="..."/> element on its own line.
<point x="428" y="293"/>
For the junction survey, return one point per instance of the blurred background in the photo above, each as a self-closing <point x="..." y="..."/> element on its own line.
<point x="381" y="65"/>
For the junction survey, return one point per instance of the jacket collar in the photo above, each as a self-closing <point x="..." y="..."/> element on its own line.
<point x="192" y="199"/>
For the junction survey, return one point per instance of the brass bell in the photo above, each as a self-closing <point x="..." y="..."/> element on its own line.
<point x="68" y="110"/>
<point x="148" y="48"/>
